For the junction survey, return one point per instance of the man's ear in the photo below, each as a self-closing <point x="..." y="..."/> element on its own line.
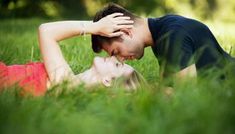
<point x="107" y="81"/>
<point x="127" y="31"/>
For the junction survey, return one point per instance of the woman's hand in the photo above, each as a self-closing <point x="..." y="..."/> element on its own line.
<point x="110" y="25"/>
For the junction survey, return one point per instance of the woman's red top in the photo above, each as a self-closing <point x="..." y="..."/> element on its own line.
<point x="31" y="77"/>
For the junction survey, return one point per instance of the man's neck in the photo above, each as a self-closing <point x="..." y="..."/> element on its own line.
<point x="145" y="32"/>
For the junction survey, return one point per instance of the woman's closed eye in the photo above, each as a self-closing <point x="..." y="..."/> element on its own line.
<point x="118" y="64"/>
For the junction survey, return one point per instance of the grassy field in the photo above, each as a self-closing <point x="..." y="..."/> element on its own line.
<point x="206" y="106"/>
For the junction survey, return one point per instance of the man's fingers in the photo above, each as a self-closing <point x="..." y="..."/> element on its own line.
<point x="115" y="15"/>
<point x="116" y="34"/>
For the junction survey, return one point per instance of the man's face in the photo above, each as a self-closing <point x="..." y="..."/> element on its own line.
<point x="125" y="47"/>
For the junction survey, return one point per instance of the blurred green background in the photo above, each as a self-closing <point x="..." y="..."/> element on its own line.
<point x="205" y="9"/>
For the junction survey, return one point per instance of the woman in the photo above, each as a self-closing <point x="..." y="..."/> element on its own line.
<point x="36" y="78"/>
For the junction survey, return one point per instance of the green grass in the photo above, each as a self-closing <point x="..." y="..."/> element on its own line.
<point x="206" y="106"/>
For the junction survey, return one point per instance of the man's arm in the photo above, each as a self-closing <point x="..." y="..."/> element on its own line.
<point x="177" y="52"/>
<point x="188" y="72"/>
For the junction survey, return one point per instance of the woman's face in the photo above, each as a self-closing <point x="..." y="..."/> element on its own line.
<point x="111" y="68"/>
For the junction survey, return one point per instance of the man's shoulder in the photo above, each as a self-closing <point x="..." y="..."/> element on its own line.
<point x="172" y="19"/>
<point x="172" y="22"/>
<point x="172" y="16"/>
<point x="168" y="17"/>
<point x="166" y="23"/>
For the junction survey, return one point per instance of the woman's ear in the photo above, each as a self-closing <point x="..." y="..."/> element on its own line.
<point x="127" y="32"/>
<point x="107" y="81"/>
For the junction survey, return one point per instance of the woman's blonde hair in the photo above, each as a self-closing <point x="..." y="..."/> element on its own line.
<point x="131" y="83"/>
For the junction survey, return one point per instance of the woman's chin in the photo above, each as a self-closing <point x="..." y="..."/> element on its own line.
<point x="98" y="60"/>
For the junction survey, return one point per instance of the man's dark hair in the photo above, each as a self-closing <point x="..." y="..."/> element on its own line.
<point x="111" y="8"/>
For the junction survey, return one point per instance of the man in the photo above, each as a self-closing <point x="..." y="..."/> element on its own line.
<point x="183" y="46"/>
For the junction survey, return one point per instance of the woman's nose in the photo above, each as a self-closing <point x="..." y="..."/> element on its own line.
<point x="113" y="58"/>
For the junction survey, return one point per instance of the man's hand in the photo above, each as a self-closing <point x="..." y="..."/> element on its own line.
<point x="110" y="25"/>
<point x="188" y="72"/>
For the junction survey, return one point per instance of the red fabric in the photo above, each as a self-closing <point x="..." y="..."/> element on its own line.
<point x="31" y="77"/>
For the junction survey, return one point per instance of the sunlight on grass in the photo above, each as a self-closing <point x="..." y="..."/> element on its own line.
<point x="225" y="34"/>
